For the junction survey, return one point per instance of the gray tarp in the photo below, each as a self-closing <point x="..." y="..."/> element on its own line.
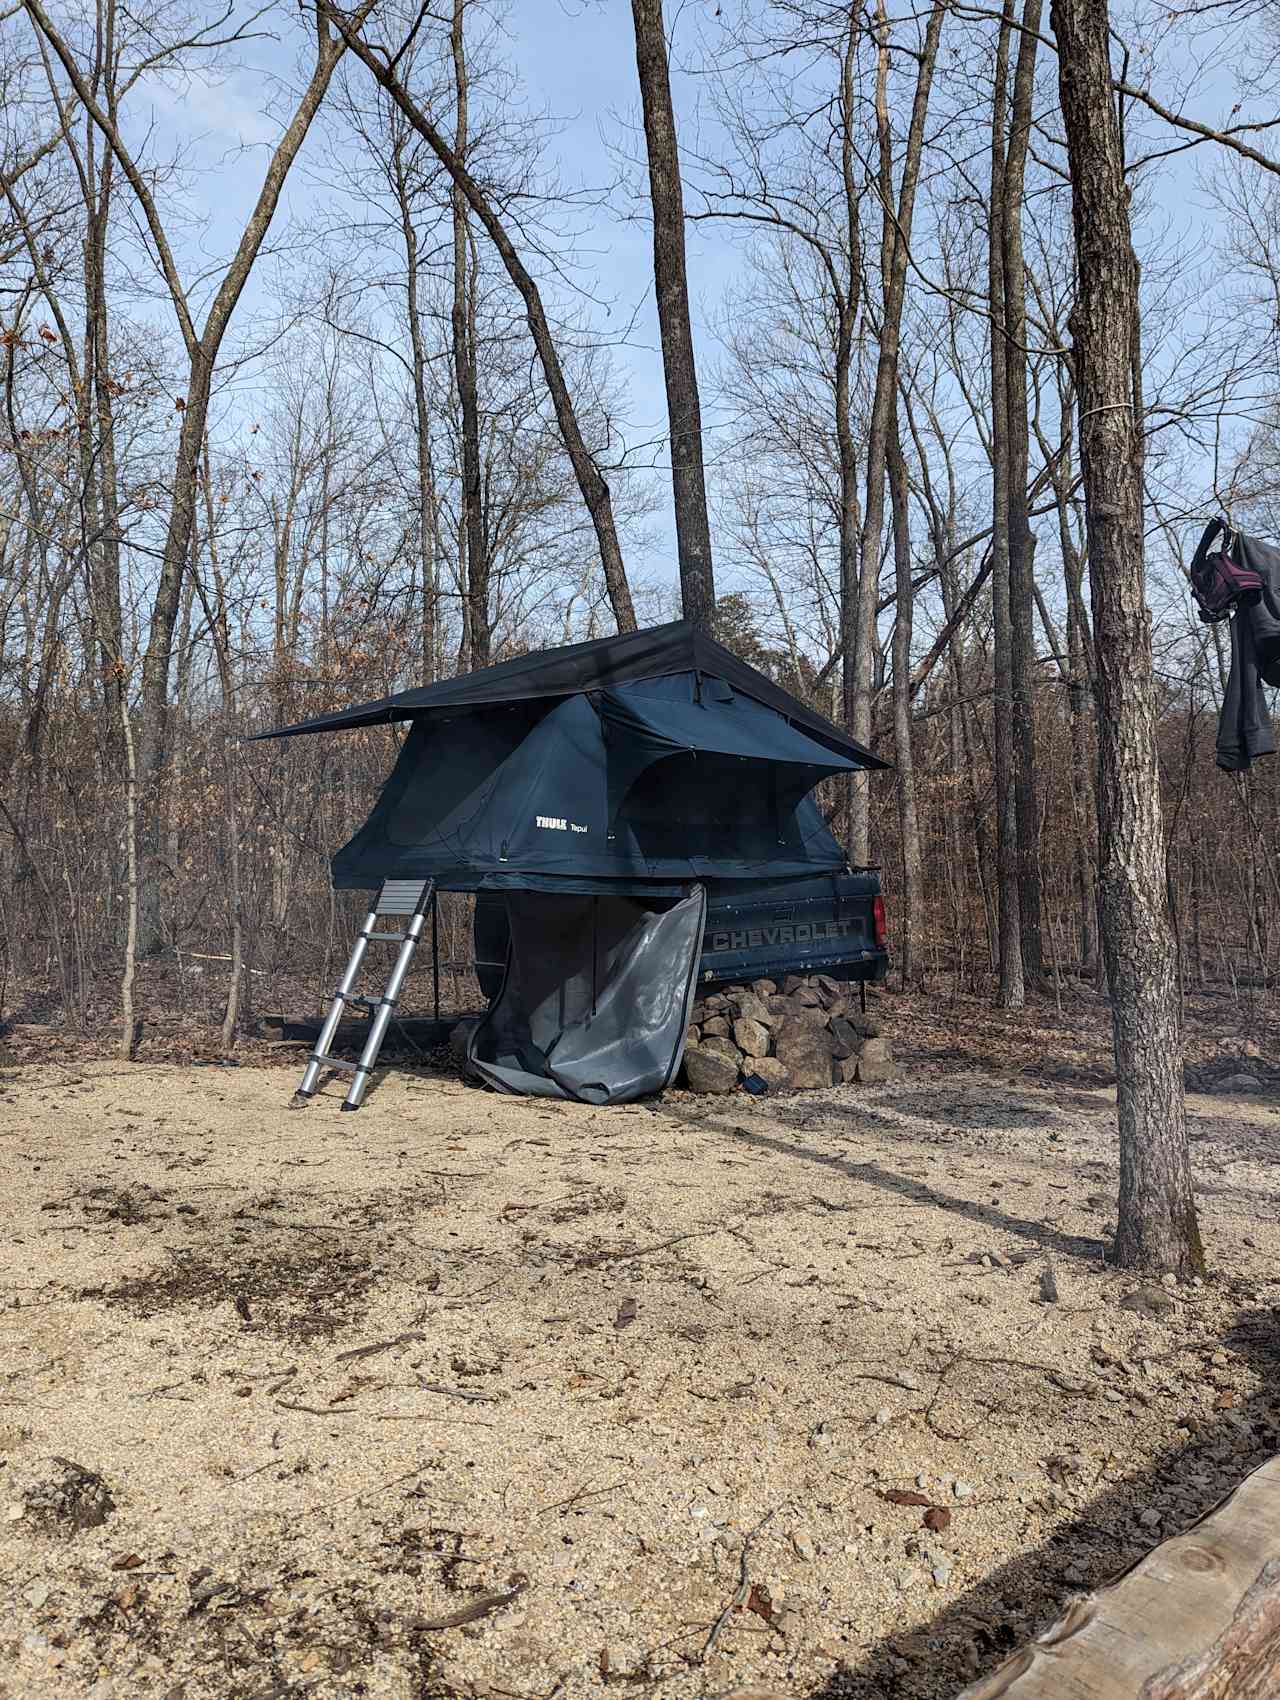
<point x="596" y="997"/>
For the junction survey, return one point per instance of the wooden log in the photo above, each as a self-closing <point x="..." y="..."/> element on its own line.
<point x="1197" y="1619"/>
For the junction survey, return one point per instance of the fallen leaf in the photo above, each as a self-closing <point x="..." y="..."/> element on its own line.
<point x="905" y="1496"/>
<point x="937" y="1518"/>
<point x="626" y="1314"/>
<point x="760" y="1602"/>
<point x="128" y="1596"/>
<point x="126" y="1561"/>
<point x="1224" y="1402"/>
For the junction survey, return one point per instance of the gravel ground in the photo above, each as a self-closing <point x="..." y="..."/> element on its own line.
<point x="469" y="1395"/>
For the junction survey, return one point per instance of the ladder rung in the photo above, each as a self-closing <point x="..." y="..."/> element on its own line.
<point x="390" y="938"/>
<point x="334" y="1062"/>
<point x="364" y="1002"/>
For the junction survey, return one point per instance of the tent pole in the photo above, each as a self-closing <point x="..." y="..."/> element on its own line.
<point x="435" y="949"/>
<point x="595" y="950"/>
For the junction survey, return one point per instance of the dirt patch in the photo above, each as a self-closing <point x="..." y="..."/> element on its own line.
<point x="628" y="1355"/>
<point x="296" y="1294"/>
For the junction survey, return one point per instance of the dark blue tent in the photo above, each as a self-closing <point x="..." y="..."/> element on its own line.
<point x="602" y="786"/>
<point x="632" y="764"/>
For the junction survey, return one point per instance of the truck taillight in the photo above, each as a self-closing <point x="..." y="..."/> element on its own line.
<point x="877" y="917"/>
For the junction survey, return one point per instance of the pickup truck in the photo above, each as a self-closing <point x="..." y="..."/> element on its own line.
<point x="824" y="924"/>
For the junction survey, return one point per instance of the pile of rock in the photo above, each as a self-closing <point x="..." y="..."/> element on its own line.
<point x="807" y="1032"/>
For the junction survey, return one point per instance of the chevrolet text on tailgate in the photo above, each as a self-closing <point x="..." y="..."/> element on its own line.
<point x="754" y="937"/>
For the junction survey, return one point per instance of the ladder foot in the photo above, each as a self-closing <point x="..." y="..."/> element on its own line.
<point x="351" y="1106"/>
<point x="300" y="1100"/>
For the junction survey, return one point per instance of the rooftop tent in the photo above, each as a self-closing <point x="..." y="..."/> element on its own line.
<point x="601" y="786"/>
<point x="635" y="764"/>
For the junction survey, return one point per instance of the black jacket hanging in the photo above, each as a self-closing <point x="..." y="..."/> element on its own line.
<point x="1251" y="569"/>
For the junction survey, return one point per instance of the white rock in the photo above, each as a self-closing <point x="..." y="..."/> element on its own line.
<point x="884" y="1415"/>
<point x="964" y="1490"/>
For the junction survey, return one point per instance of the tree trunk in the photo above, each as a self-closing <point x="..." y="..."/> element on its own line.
<point x="847" y="293"/>
<point x="475" y="571"/>
<point x="216" y="614"/>
<point x="1021" y="539"/>
<point x="899" y="214"/>
<point x="684" y="414"/>
<point x="1012" y="993"/>
<point x="128" y="1021"/>
<point x="1157" y="1226"/>
<point x="911" y="922"/>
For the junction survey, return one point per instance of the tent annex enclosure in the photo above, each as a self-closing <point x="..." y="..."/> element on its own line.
<point x="601" y="786"/>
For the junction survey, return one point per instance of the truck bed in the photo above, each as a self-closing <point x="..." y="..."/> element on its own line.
<point x="766" y="930"/>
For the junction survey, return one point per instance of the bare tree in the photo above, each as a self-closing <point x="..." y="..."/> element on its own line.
<point x="1157" y="1227"/>
<point x="476" y="618"/>
<point x="202" y="348"/>
<point x="591" y="481"/>
<point x="1021" y="542"/>
<point x="897" y="220"/>
<point x="1012" y="991"/>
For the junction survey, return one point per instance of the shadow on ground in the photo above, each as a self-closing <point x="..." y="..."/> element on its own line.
<point x="975" y="1632"/>
<point x="1103" y="1534"/>
<point x="911" y="1187"/>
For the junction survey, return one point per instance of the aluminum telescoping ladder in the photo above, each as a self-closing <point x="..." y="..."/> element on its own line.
<point x="408" y="898"/>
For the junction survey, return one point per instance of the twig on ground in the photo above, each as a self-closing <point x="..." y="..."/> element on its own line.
<point x="317" y="1410"/>
<point x="912" y="1386"/>
<point x="483" y="1606"/>
<point x="645" y="1250"/>
<point x="577" y="1498"/>
<point x="741" y="1593"/>
<point x="249" y="1474"/>
<point x="376" y="1347"/>
<point x="458" y="1392"/>
<point x="298" y="1227"/>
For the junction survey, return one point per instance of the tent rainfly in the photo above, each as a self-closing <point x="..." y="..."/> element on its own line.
<point x="632" y="764"/>
<point x="629" y="772"/>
